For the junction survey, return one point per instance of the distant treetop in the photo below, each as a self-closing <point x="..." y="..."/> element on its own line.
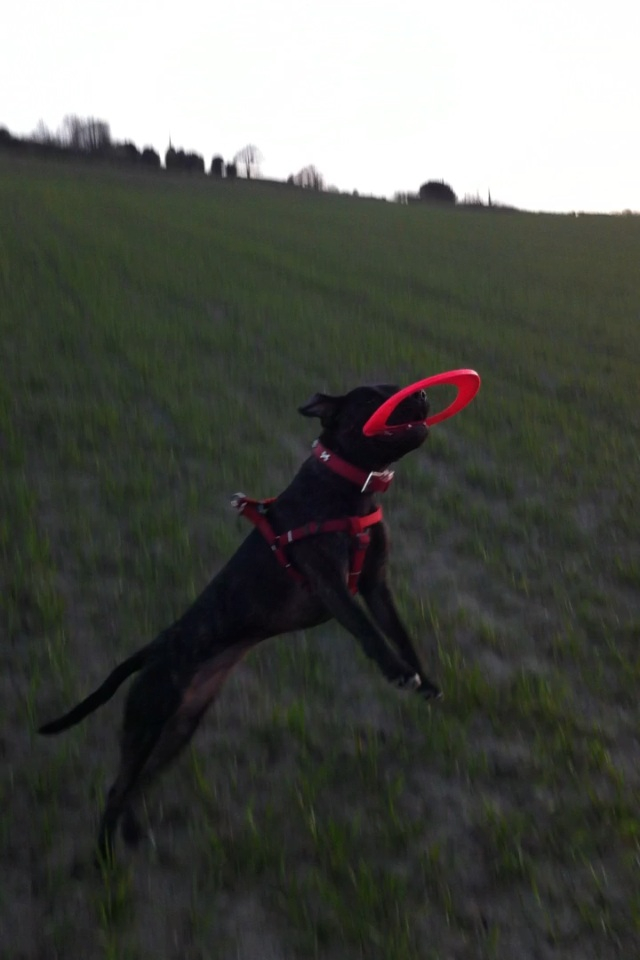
<point x="437" y="191"/>
<point x="180" y="160"/>
<point x="309" y="178"/>
<point x="217" y="166"/>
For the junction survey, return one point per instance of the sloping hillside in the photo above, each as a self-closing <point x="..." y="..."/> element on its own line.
<point x="157" y="335"/>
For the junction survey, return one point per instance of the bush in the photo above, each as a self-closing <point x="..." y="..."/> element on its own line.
<point x="437" y="191"/>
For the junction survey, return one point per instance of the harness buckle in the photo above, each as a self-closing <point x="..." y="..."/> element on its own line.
<point x="239" y="501"/>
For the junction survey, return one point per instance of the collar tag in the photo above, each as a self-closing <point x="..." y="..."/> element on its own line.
<point x="386" y="476"/>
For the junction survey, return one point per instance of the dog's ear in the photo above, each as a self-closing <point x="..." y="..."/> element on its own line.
<point x="323" y="406"/>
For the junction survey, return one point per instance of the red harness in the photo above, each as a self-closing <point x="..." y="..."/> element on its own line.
<point x="256" y="511"/>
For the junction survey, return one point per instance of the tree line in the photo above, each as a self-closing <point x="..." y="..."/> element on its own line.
<point x="79" y="138"/>
<point x="89" y="138"/>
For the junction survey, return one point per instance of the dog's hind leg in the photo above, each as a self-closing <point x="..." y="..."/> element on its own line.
<point x="175" y="735"/>
<point x="203" y="688"/>
<point x="135" y="752"/>
<point x="132" y="830"/>
<point x="153" y="698"/>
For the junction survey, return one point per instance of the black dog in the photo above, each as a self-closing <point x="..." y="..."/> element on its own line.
<point x="314" y="545"/>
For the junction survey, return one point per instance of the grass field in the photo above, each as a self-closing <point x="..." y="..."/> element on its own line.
<point x="157" y="335"/>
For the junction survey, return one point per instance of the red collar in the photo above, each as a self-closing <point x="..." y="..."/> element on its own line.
<point x="377" y="481"/>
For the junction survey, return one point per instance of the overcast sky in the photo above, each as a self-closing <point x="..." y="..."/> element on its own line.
<point x="536" y="100"/>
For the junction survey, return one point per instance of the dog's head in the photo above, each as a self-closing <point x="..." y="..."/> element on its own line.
<point x="343" y="418"/>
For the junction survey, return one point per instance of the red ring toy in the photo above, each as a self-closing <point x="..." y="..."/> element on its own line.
<point x="467" y="382"/>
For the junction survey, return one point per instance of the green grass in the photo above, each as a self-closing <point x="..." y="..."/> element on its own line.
<point x="157" y="335"/>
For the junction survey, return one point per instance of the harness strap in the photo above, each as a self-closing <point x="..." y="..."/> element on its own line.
<point x="256" y="512"/>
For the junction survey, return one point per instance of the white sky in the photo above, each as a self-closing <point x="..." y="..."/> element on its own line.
<point x="538" y="100"/>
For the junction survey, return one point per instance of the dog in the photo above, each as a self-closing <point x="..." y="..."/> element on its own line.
<point x="313" y="547"/>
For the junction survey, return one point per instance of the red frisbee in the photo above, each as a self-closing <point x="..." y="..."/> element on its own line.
<point x="467" y="382"/>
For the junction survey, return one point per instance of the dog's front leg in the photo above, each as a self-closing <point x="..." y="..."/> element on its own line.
<point x="323" y="568"/>
<point x="379" y="599"/>
<point x="376" y="593"/>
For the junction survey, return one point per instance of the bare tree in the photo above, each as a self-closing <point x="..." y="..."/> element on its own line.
<point x="42" y="134"/>
<point x="309" y="178"/>
<point x="250" y="158"/>
<point x="90" y="135"/>
<point x="98" y="135"/>
<point x="70" y="131"/>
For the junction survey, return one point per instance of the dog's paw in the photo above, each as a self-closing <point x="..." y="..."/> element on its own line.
<point x="407" y="682"/>
<point x="429" y="691"/>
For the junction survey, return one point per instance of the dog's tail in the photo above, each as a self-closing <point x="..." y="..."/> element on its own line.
<point x="99" y="696"/>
